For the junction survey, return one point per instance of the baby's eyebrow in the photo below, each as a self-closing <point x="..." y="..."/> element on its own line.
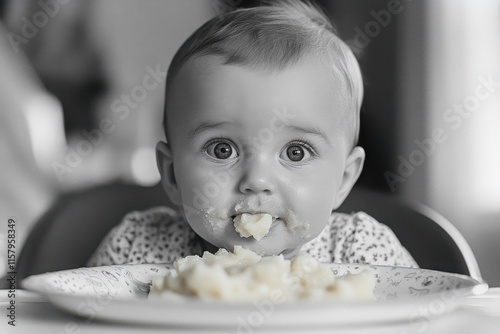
<point x="205" y="126"/>
<point x="315" y="131"/>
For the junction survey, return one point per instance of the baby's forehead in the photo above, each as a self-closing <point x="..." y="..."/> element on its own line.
<point x="328" y="73"/>
<point x="306" y="88"/>
<point x="315" y="70"/>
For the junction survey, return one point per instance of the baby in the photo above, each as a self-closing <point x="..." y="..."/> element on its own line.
<point x="261" y="120"/>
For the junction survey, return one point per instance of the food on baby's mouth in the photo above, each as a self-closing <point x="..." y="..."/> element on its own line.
<point x="253" y="225"/>
<point x="246" y="276"/>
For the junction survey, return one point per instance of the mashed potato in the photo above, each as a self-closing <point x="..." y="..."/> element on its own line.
<point x="249" y="225"/>
<point x="246" y="276"/>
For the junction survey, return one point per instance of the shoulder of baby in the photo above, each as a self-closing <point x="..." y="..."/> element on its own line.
<point x="356" y="220"/>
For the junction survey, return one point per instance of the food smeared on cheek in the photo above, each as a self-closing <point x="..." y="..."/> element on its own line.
<point x="293" y="223"/>
<point x="215" y="218"/>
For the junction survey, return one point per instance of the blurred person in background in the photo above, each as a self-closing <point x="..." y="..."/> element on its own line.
<point x="29" y="118"/>
<point x="106" y="63"/>
<point x="82" y="90"/>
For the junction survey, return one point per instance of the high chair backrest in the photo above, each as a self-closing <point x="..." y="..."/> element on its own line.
<point x="432" y="240"/>
<point x="68" y="233"/>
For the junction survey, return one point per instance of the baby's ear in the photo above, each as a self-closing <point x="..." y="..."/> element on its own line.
<point x="166" y="168"/>
<point x="353" y="168"/>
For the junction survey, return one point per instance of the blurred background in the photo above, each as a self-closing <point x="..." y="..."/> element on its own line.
<point x="82" y="94"/>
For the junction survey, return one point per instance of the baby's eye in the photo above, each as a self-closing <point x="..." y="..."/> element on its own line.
<point x="297" y="152"/>
<point x="221" y="150"/>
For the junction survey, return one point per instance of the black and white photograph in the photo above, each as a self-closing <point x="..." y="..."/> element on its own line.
<point x="250" y="166"/>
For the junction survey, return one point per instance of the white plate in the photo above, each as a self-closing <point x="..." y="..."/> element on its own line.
<point x="119" y="294"/>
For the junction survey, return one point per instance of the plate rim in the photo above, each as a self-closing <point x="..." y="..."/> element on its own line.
<point x="402" y="305"/>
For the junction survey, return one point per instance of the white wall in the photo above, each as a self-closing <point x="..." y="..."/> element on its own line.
<point x="460" y="178"/>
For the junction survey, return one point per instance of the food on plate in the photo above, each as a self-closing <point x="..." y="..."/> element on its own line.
<point x="245" y="276"/>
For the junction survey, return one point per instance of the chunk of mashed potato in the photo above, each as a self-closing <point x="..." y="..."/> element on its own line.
<point x="250" y="225"/>
<point x="245" y="276"/>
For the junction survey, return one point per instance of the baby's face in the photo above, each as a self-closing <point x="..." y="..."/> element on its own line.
<point x="248" y="141"/>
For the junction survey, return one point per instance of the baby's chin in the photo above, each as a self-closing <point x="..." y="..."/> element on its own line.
<point x="267" y="246"/>
<point x="278" y="240"/>
<point x="261" y="249"/>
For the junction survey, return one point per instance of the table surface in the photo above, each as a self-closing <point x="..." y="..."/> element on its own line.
<point x="35" y="315"/>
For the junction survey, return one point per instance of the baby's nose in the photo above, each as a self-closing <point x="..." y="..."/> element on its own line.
<point x="257" y="178"/>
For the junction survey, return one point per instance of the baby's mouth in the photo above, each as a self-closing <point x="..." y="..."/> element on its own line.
<point x="255" y="225"/>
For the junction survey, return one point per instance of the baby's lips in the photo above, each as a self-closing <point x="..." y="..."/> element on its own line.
<point x="254" y="217"/>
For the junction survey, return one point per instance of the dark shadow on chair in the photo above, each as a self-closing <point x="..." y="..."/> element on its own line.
<point x="68" y="233"/>
<point x="432" y="240"/>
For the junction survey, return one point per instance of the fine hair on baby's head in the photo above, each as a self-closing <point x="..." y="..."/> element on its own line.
<point x="273" y="37"/>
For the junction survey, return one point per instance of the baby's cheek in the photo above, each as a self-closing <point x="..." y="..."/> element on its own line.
<point x="216" y="219"/>
<point x="313" y="204"/>
<point x="206" y="202"/>
<point x="207" y="190"/>
<point x="207" y="224"/>
<point x="195" y="193"/>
